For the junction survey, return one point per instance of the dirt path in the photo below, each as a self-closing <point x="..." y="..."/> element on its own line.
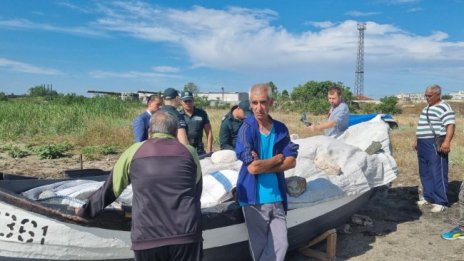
<point x="400" y="230"/>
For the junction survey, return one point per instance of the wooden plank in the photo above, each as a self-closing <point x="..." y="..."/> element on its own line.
<point x="330" y="236"/>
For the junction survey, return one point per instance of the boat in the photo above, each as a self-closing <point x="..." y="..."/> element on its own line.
<point x="30" y="230"/>
<point x="37" y="230"/>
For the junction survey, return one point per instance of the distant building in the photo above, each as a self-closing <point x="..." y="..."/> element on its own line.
<point x="121" y="95"/>
<point x="214" y="98"/>
<point x="414" y="97"/>
<point x="228" y="97"/>
<point x="143" y="95"/>
<point x="457" y="95"/>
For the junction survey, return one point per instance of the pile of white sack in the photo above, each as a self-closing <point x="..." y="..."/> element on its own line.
<point x="333" y="168"/>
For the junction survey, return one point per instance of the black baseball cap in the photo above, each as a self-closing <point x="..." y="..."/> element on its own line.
<point x="245" y="106"/>
<point x="170" y="93"/>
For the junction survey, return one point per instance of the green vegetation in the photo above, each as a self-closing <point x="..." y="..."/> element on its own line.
<point x="17" y="152"/>
<point x="69" y="115"/>
<point x="102" y="125"/>
<point x="42" y="91"/>
<point x="309" y="97"/>
<point x="446" y="97"/>
<point x="388" y="105"/>
<point x="191" y="87"/>
<point x="95" y="152"/>
<point x="52" y="151"/>
<point x="3" y="97"/>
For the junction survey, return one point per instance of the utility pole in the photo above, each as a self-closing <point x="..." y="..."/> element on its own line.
<point x="359" y="74"/>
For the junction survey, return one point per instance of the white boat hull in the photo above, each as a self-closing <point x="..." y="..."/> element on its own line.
<point x="25" y="235"/>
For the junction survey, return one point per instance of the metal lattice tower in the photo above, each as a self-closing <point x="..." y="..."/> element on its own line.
<point x="359" y="84"/>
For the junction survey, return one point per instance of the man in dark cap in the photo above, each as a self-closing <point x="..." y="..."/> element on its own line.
<point x="197" y="120"/>
<point x="141" y="123"/>
<point x="171" y="102"/>
<point x="231" y="122"/>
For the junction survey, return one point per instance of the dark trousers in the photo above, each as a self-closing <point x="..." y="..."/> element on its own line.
<point x="461" y="205"/>
<point x="183" y="252"/>
<point x="433" y="171"/>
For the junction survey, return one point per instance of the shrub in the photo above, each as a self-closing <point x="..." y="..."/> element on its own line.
<point x="94" y="152"/>
<point x="3" y="97"/>
<point x="108" y="150"/>
<point x="388" y="105"/>
<point x="17" y="152"/>
<point x="52" y="151"/>
<point x="90" y="152"/>
<point x="369" y="108"/>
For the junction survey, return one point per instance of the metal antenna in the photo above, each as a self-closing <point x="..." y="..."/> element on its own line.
<point x="359" y="84"/>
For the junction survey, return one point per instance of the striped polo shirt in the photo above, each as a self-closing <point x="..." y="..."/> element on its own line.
<point x="440" y="116"/>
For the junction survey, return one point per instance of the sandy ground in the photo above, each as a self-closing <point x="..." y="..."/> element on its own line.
<point x="399" y="231"/>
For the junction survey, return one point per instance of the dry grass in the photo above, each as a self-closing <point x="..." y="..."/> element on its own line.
<point x="106" y="130"/>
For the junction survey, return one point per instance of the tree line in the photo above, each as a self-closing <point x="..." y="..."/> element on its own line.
<point x="309" y="97"/>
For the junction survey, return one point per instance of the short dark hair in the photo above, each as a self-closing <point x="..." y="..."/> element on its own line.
<point x="335" y="89"/>
<point x="153" y="97"/>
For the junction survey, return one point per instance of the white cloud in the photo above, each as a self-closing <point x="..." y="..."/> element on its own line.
<point x="414" y="10"/>
<point x="28" y="25"/>
<point x="165" y="69"/>
<point x="16" y="66"/>
<point x="399" y="2"/>
<point x="324" y="24"/>
<point x="355" y="13"/>
<point x="74" y="7"/>
<point x="250" y="43"/>
<point x="130" y="74"/>
<point x="241" y="39"/>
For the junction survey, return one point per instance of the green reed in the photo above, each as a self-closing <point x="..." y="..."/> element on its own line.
<point x="30" y="118"/>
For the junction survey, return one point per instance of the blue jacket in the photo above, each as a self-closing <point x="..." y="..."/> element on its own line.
<point x="248" y="141"/>
<point x="140" y="126"/>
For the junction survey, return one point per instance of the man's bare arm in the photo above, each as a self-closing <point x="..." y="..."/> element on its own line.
<point x="288" y="163"/>
<point x="446" y="145"/>
<point x="258" y="166"/>
<point x="209" y="138"/>
<point x="182" y="136"/>
<point x="323" y="125"/>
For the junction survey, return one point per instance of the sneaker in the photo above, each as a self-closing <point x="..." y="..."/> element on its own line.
<point x="455" y="233"/>
<point x="436" y="208"/>
<point x="424" y="202"/>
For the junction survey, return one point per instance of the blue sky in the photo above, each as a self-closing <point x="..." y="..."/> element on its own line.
<point x="151" y="45"/>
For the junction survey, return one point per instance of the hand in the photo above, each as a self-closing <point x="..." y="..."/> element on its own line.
<point x="445" y="147"/>
<point x="254" y="155"/>
<point x="313" y="127"/>
<point x="279" y="158"/>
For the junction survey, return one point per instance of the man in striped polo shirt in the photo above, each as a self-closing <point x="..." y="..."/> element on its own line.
<point x="437" y="119"/>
